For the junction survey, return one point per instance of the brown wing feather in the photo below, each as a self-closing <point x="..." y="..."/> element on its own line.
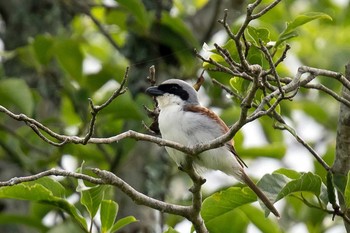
<point x="217" y="119"/>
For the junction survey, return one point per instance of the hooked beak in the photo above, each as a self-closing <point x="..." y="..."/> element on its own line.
<point x="154" y="91"/>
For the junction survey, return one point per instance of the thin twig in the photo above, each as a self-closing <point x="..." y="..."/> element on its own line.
<point x="266" y="9"/>
<point x="272" y="67"/>
<point x="305" y="144"/>
<point x="102" y="30"/>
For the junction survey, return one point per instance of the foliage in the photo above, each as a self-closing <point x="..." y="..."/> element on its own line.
<point x="304" y="193"/>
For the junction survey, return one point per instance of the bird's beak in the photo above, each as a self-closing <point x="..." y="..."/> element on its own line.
<point x="154" y="91"/>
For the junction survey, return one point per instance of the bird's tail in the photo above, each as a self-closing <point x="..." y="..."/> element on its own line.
<point x="245" y="178"/>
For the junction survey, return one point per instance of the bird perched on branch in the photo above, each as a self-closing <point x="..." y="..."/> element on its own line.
<point x="182" y="119"/>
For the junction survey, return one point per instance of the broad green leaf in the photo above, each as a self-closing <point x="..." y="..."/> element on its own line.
<point x="274" y="150"/>
<point x="26" y="55"/>
<point x="171" y="230"/>
<point x="255" y="56"/>
<point x="218" y="205"/>
<point x="330" y="188"/>
<point x="300" y="20"/>
<point x="230" y="46"/>
<point x="42" y="45"/>
<point x="15" y="92"/>
<point x="239" y="85"/>
<point x="122" y="107"/>
<point x="68" y="113"/>
<point x="308" y="182"/>
<point x="27" y="221"/>
<point x="92" y="197"/>
<point x="256" y="34"/>
<point x="347" y="192"/>
<point x="32" y="191"/>
<point x="122" y="223"/>
<point x="138" y="11"/>
<point x="70" y="57"/>
<point x="288" y="172"/>
<point x="340" y="182"/>
<point x="272" y="184"/>
<point x="179" y="27"/>
<point x="54" y="186"/>
<point x="257" y="217"/>
<point x="181" y="48"/>
<point x="305" y="18"/>
<point x="231" y="221"/>
<point x="66" y="226"/>
<point x="108" y="214"/>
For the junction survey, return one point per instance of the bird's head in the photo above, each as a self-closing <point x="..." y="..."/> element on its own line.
<point x="173" y="92"/>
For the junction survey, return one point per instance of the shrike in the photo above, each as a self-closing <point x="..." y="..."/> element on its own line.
<point x="182" y="119"/>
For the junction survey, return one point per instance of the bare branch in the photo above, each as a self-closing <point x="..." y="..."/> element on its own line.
<point x="226" y="55"/>
<point x="272" y="67"/>
<point x="96" y="109"/>
<point x="140" y="198"/>
<point x="52" y="172"/>
<point x="106" y="178"/>
<point x="266" y="9"/>
<point x="329" y="92"/>
<point x="305" y="144"/>
<point x="284" y="55"/>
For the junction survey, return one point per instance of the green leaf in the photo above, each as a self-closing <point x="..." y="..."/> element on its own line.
<point x="42" y="45"/>
<point x="288" y="172"/>
<point x="347" y="192"/>
<point x="231" y="221"/>
<point x="92" y="197"/>
<point x="272" y="184"/>
<point x="66" y="226"/>
<point x="255" y="56"/>
<point x="54" y="186"/>
<point x="330" y="188"/>
<point x="33" y="191"/>
<point x="256" y="34"/>
<point x="305" y="18"/>
<point x="300" y="20"/>
<point x="178" y="26"/>
<point x="257" y="217"/>
<point x="109" y="211"/>
<point x="27" y="221"/>
<point x="123" y="107"/>
<point x="123" y="222"/>
<point x="15" y="92"/>
<point x="308" y="182"/>
<point x="26" y="55"/>
<point x="223" y="205"/>
<point x="70" y="57"/>
<point x="138" y="11"/>
<point x="239" y="85"/>
<point x="273" y="150"/>
<point x="171" y="230"/>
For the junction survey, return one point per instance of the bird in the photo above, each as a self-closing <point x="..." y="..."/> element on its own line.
<point x="183" y="120"/>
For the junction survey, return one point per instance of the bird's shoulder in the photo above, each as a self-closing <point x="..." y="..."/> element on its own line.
<point x="214" y="117"/>
<point x="207" y="113"/>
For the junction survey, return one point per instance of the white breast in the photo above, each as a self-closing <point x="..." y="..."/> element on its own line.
<point x="189" y="128"/>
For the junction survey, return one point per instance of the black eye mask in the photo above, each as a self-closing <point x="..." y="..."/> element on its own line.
<point x="174" y="89"/>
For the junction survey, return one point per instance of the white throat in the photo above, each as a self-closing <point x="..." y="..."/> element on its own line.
<point x="168" y="100"/>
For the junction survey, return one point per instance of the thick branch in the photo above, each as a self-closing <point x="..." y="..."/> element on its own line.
<point x="342" y="158"/>
<point x="107" y="178"/>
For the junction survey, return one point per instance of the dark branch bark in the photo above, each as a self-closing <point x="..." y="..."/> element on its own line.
<point x="342" y="157"/>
